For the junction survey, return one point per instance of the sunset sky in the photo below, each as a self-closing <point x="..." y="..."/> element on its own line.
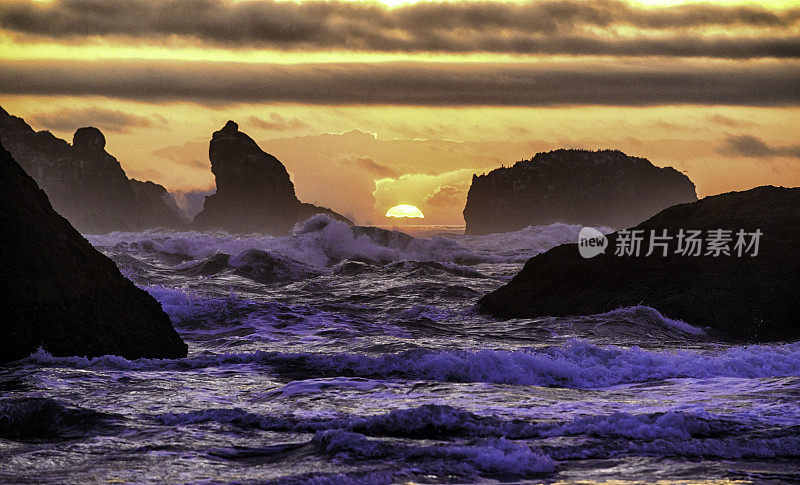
<point x="370" y="104"/>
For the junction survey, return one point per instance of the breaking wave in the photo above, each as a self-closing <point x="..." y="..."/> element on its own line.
<point x="577" y="364"/>
<point x="680" y="433"/>
<point x="322" y="242"/>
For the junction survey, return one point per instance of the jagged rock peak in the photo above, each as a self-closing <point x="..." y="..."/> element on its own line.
<point x="84" y="183"/>
<point x="254" y="191"/>
<point x="89" y="140"/>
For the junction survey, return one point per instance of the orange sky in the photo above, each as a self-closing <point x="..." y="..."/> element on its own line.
<point x="370" y="106"/>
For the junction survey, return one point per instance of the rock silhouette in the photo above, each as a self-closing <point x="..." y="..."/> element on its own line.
<point x="59" y="293"/>
<point x="254" y="191"/>
<point x="157" y="201"/>
<point x="602" y="188"/>
<point x="84" y="183"/>
<point x="750" y="298"/>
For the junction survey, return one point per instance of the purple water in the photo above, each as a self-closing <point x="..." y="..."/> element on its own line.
<point x="326" y="358"/>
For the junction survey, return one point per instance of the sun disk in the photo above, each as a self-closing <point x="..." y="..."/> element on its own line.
<point x="404" y="210"/>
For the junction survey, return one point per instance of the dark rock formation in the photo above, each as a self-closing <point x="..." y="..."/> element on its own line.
<point x="256" y="265"/>
<point x="603" y="188"/>
<point x="83" y="182"/>
<point x="159" y="204"/>
<point x="752" y="298"/>
<point x="254" y="191"/>
<point x="59" y="293"/>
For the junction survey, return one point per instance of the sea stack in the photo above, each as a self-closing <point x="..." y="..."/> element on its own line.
<point x="750" y="297"/>
<point x="254" y="191"/>
<point x="85" y="183"/>
<point x="591" y="188"/>
<point x="59" y="293"/>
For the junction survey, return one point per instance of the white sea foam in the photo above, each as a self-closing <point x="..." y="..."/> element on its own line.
<point x="181" y="305"/>
<point x="321" y="241"/>
<point x="521" y="245"/>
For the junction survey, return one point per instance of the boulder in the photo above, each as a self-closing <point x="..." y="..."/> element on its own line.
<point x="254" y="191"/>
<point x="747" y="297"/>
<point x="602" y="188"/>
<point x="59" y="293"/>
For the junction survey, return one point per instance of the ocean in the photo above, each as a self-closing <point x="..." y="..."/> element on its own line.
<point x="323" y="357"/>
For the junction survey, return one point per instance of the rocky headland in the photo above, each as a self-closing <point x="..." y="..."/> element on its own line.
<point x="85" y="183"/>
<point x="254" y="192"/>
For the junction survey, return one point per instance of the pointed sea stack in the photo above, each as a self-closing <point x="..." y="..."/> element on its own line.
<point x="603" y="188"/>
<point x="254" y="191"/>
<point x="59" y="293"/>
<point x="84" y="182"/>
<point x="748" y="297"/>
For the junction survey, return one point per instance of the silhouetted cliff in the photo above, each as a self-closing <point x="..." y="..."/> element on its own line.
<point x="752" y="298"/>
<point x="84" y="183"/>
<point x="163" y="210"/>
<point x="254" y="191"/>
<point x="59" y="293"/>
<point x="603" y="188"/>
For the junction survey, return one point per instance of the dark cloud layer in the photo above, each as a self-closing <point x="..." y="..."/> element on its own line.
<point x="420" y="84"/>
<point x="753" y="147"/>
<point x="545" y="27"/>
<point x="113" y="121"/>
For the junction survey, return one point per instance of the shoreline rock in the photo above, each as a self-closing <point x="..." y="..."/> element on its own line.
<point x="59" y="293"/>
<point x="749" y="298"/>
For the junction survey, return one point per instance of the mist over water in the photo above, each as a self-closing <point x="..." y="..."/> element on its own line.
<point x="328" y="357"/>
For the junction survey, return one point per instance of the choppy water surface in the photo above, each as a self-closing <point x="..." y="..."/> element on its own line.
<point x="328" y="357"/>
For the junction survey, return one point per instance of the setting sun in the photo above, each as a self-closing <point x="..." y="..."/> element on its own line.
<point x="404" y="210"/>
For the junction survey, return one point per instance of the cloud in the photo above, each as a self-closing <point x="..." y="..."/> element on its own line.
<point x="368" y="164"/>
<point x="728" y="121"/>
<point x="192" y="154"/>
<point x="106" y="120"/>
<point x="754" y="147"/>
<point x="546" y="27"/>
<point x="401" y="83"/>
<point x="276" y="122"/>
<point x="447" y="196"/>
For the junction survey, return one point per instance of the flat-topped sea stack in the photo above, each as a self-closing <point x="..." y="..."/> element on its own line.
<point x="59" y="293"/>
<point x="85" y="183"/>
<point x="254" y="191"/>
<point x="591" y="188"/>
<point x="750" y="294"/>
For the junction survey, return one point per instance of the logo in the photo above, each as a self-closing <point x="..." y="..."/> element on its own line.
<point x="591" y="242"/>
